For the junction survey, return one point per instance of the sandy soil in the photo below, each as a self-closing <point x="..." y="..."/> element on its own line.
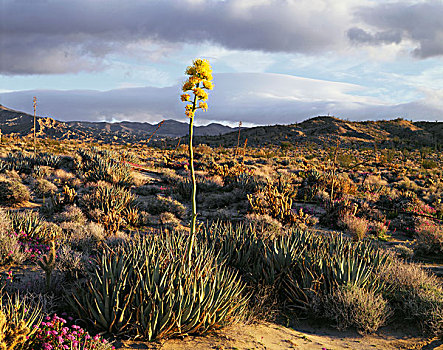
<point x="307" y="337"/>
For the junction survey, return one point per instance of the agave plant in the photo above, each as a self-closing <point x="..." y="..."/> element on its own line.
<point x="146" y="288"/>
<point x="105" y="166"/>
<point x="28" y="222"/>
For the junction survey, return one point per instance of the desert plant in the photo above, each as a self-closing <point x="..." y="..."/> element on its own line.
<point x="17" y="319"/>
<point x="55" y="333"/>
<point x="105" y="166"/>
<point x="111" y="201"/>
<point x="357" y="227"/>
<point x="200" y="76"/>
<point x="10" y="249"/>
<point x="415" y="295"/>
<point x="47" y="262"/>
<point x="146" y="287"/>
<point x="28" y="222"/>
<point x="13" y="192"/>
<point x="351" y="306"/>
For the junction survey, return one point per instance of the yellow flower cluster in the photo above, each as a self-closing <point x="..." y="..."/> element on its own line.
<point x="200" y="76"/>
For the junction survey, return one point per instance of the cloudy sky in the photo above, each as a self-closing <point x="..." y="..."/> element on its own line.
<point x="274" y="61"/>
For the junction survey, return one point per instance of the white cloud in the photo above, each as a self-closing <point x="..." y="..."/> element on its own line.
<point x="254" y="98"/>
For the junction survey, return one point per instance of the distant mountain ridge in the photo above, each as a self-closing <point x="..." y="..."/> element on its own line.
<point x="319" y="130"/>
<point x="18" y="123"/>
<point x="327" y="130"/>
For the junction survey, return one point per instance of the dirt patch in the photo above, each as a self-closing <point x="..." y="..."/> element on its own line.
<point x="271" y="336"/>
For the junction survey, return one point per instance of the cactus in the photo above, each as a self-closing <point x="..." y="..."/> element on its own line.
<point x="47" y="263"/>
<point x="113" y="202"/>
<point x="276" y="200"/>
<point x="69" y="195"/>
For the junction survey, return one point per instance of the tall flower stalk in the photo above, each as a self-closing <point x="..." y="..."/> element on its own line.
<point x="200" y="77"/>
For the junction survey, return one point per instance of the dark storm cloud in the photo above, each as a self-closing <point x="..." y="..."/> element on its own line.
<point x="54" y="36"/>
<point x="420" y="22"/>
<point x="361" y="36"/>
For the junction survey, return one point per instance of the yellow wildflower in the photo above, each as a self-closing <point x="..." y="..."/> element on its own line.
<point x="189" y="113"/>
<point x="200" y="93"/>
<point x="185" y="97"/>
<point x="187" y="86"/>
<point x="203" y="105"/>
<point x="207" y="84"/>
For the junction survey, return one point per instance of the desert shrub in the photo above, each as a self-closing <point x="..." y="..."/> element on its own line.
<point x="183" y="188"/>
<point x="149" y="281"/>
<point x="43" y="187"/>
<point x="264" y="224"/>
<point x="10" y="249"/>
<point x="350" y="306"/>
<point x="379" y="229"/>
<point x="429" y="238"/>
<point x="83" y="237"/>
<point x="70" y="262"/>
<point x="314" y="181"/>
<point x="415" y="295"/>
<point x="169" y="220"/>
<point x="157" y="204"/>
<point x="233" y="173"/>
<point x="71" y="213"/>
<point x="357" y="227"/>
<point x="13" y="192"/>
<point x="217" y="200"/>
<point x="429" y="164"/>
<point x="63" y="175"/>
<point x="337" y="209"/>
<point x="5" y="221"/>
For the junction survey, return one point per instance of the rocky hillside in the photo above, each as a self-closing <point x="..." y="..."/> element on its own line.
<point x="21" y="124"/>
<point x="327" y="130"/>
<point x="320" y="130"/>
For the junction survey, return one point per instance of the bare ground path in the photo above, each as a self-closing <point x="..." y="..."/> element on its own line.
<point x="271" y="336"/>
